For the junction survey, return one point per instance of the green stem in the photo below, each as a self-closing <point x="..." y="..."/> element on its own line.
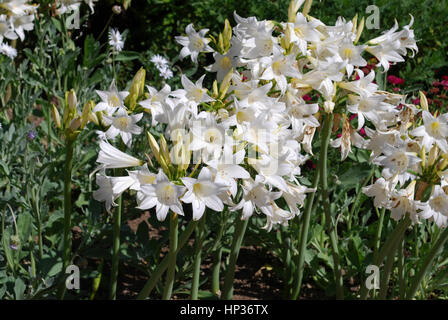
<point x="379" y="230"/>
<point x="67" y="242"/>
<point x="160" y="269"/>
<point x="197" y="259"/>
<point x="393" y="238"/>
<point x="171" y="257"/>
<point x="240" y="229"/>
<point x="217" y="256"/>
<point x="116" y="249"/>
<point x="326" y="131"/>
<point x="438" y="246"/>
<point x="401" y="271"/>
<point x="385" y="275"/>
<point x="303" y="241"/>
<point x="358" y="196"/>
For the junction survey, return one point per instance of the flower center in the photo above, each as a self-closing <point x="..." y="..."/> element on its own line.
<point x="348" y="53"/>
<point x="225" y="63"/>
<point x="113" y="101"/>
<point x="122" y="122"/>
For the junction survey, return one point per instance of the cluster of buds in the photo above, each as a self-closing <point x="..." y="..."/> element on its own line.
<point x="73" y="119"/>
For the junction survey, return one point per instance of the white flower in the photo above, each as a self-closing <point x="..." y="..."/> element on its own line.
<point x="110" y="157"/>
<point x="194" y="91"/>
<point x="402" y="202"/>
<point x="110" y="189"/>
<point x="8" y="51"/>
<point x="159" y="61"/>
<point x="255" y="195"/>
<point x="166" y="73"/>
<point x="434" y="130"/>
<point x="164" y="195"/>
<point x="396" y="161"/>
<point x="194" y="43"/>
<point x="279" y="67"/>
<point x="380" y="190"/>
<point x="124" y="125"/>
<point x="209" y="136"/>
<point x="111" y="100"/>
<point x="115" y="40"/>
<point x="227" y="169"/>
<point x="437" y="207"/>
<point x="279" y="216"/>
<point x="203" y="192"/>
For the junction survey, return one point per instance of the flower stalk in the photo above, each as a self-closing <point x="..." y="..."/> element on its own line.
<point x="240" y="229"/>
<point x="172" y="255"/>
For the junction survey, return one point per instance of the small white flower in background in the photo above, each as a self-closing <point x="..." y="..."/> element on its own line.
<point x="159" y="61"/>
<point x="194" y="43"/>
<point x="116" y="40"/>
<point x="166" y="73"/>
<point x="8" y="51"/>
<point x="164" y="195"/>
<point x="162" y="64"/>
<point x="124" y="125"/>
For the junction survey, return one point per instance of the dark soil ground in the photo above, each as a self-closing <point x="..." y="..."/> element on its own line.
<point x="253" y="281"/>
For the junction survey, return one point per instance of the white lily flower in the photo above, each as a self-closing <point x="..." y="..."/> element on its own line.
<point x="110" y="157"/>
<point x="193" y="43"/>
<point x="434" y="130"/>
<point x="123" y="124"/>
<point x="111" y="100"/>
<point x="164" y="195"/>
<point x="203" y="192"/>
<point x="255" y="195"/>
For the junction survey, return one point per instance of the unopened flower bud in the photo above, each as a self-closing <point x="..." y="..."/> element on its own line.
<point x="329" y="106"/>
<point x="56" y="116"/>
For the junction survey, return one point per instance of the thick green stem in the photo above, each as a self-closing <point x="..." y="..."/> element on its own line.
<point x="197" y="259"/>
<point x="438" y="246"/>
<point x="171" y="257"/>
<point x="304" y="229"/>
<point x="238" y="235"/>
<point x="326" y="131"/>
<point x="160" y="269"/>
<point x="217" y="256"/>
<point x="67" y="242"/>
<point x="116" y="249"/>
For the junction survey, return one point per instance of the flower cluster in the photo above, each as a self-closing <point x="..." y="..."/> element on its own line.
<point x="242" y="143"/>
<point x="413" y="153"/>
<point x="16" y="17"/>
<point x="162" y="66"/>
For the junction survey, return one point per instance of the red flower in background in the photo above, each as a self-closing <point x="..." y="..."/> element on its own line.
<point x="395" y="80"/>
<point x="306" y="97"/>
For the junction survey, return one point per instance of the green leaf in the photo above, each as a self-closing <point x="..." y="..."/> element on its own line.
<point x="127" y="56"/>
<point x="24" y="223"/>
<point x="19" y="289"/>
